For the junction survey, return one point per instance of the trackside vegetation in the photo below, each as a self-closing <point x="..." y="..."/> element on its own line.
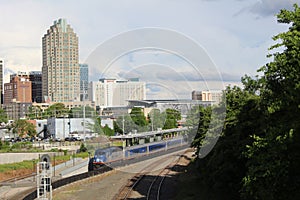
<point x="31" y="164"/>
<point x="258" y="153"/>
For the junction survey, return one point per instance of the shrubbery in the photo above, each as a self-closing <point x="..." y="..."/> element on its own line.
<point x="257" y="155"/>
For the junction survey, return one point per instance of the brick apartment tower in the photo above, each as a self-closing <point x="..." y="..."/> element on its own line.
<point x="18" y="89"/>
<point x="60" y="70"/>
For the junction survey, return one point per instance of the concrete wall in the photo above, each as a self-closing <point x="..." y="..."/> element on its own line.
<point x="19" y="157"/>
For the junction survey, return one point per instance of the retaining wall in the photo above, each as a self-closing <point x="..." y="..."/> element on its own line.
<point x="19" y="157"/>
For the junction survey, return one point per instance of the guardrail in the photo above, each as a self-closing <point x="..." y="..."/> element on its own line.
<point x="75" y="167"/>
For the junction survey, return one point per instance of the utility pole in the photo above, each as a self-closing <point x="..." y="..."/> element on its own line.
<point x="123" y="127"/>
<point x="83" y="111"/>
<point x="83" y="121"/>
<point x="152" y="120"/>
<point x="69" y="126"/>
<point x="64" y="128"/>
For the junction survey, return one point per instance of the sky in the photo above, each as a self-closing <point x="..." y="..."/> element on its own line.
<point x="233" y="36"/>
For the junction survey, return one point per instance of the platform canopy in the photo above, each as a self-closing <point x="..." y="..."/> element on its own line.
<point x="149" y="133"/>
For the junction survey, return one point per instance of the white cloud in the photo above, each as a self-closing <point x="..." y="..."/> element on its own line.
<point x="272" y="7"/>
<point x="237" y="44"/>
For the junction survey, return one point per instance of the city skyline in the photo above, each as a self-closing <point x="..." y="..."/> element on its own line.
<point x="235" y="34"/>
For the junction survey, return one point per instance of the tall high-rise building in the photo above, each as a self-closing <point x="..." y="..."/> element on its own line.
<point x="84" y="81"/>
<point x="36" y="84"/>
<point x="18" y="89"/>
<point x="60" y="71"/>
<point x="1" y="81"/>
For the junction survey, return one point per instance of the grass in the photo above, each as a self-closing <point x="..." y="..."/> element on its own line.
<point x="11" y="170"/>
<point x="28" y="164"/>
<point x="6" y="147"/>
<point x="67" y="157"/>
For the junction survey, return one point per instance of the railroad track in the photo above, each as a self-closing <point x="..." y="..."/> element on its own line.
<point x="156" y="185"/>
<point x="32" y="194"/>
<point x="147" y="183"/>
<point x="15" y="180"/>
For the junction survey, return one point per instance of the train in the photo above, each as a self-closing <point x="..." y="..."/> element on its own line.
<point x="105" y="156"/>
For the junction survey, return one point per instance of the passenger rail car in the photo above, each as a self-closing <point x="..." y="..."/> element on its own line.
<point x="110" y="154"/>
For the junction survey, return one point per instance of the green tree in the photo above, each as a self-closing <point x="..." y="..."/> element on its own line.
<point x="258" y="153"/>
<point x="126" y="122"/>
<point x="56" y="110"/>
<point x="24" y="128"/>
<point x="193" y="116"/>
<point x="108" y="131"/>
<point x="223" y="169"/>
<point x="202" y="125"/>
<point x="34" y="112"/>
<point x="277" y="176"/>
<point x="138" y="117"/>
<point x="77" y="112"/>
<point x="117" y="128"/>
<point x="172" y="116"/>
<point x="3" y="116"/>
<point x="82" y="148"/>
<point x="96" y="127"/>
<point x="156" y="119"/>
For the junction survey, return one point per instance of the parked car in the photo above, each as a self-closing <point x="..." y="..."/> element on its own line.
<point x="70" y="139"/>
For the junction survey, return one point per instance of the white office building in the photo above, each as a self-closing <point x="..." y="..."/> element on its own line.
<point x="116" y="93"/>
<point x="70" y="127"/>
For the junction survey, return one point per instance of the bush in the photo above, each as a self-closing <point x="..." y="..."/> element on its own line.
<point x="82" y="148"/>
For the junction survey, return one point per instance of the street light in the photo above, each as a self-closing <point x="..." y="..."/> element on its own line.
<point x="83" y="99"/>
<point x="123" y="125"/>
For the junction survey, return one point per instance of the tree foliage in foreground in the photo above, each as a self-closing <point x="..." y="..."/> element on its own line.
<point x="258" y="153"/>
<point x="278" y="177"/>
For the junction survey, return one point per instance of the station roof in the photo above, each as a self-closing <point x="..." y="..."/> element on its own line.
<point x="153" y="101"/>
<point x="149" y="133"/>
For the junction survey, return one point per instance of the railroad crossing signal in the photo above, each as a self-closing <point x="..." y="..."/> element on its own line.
<point x="44" y="187"/>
